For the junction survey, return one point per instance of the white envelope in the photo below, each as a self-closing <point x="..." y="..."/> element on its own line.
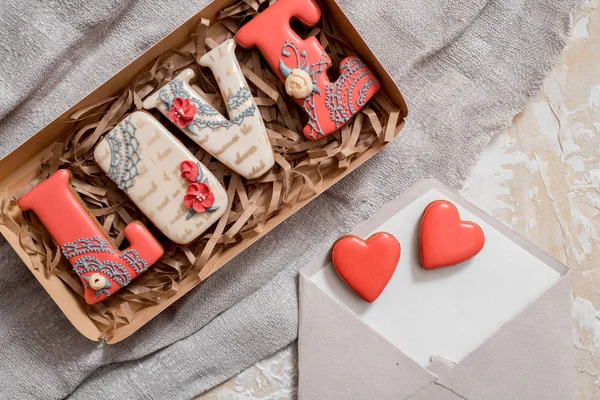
<point x="497" y="327"/>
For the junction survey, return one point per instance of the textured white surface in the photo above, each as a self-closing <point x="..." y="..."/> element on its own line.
<point x="541" y="177"/>
<point x="274" y="378"/>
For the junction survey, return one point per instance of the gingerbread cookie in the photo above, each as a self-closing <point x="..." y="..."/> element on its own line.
<point x="241" y="142"/>
<point x="446" y="240"/>
<point x="160" y="175"/>
<point x="302" y="65"/>
<point x="366" y="266"/>
<point x="102" y="268"/>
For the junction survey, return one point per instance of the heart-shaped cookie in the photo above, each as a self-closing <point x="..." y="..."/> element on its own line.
<point x="366" y="266"/>
<point x="445" y="239"/>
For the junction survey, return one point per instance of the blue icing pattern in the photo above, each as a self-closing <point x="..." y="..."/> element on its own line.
<point x="124" y="155"/>
<point x="94" y="244"/>
<point x="339" y="113"/>
<point x="99" y="291"/>
<point x="112" y="269"/>
<point x="315" y="71"/>
<point x="362" y="98"/>
<point x="132" y="258"/>
<point x="205" y="113"/>
<point x="237" y="99"/>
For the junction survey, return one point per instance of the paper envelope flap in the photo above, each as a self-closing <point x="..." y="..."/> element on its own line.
<point x="340" y="357"/>
<point x="529" y="358"/>
<point x="435" y="392"/>
<point x="439" y="366"/>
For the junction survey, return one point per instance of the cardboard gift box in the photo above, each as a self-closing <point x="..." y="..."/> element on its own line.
<point x="21" y="169"/>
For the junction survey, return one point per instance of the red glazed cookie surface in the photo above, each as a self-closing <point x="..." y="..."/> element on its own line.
<point x="366" y="266"/>
<point x="102" y="269"/>
<point x="302" y="65"/>
<point x="445" y="239"/>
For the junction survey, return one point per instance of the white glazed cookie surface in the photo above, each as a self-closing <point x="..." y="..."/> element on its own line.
<point x="144" y="159"/>
<point x="241" y="142"/>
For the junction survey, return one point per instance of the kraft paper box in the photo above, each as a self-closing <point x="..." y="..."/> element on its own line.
<point x="495" y="327"/>
<point x="21" y="168"/>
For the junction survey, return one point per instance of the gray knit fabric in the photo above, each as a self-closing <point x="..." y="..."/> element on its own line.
<point x="465" y="67"/>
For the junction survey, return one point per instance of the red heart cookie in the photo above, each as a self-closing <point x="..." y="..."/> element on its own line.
<point x="366" y="267"/>
<point x="445" y="239"/>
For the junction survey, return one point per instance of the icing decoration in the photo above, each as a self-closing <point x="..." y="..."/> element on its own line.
<point x="202" y="120"/>
<point x="445" y="239"/>
<point x="111" y="269"/>
<point x="366" y="266"/>
<point x="298" y="83"/>
<point x="124" y="160"/>
<point x="199" y="198"/>
<point x="166" y="169"/>
<point x="189" y="170"/>
<point x="86" y="245"/>
<point x="134" y="260"/>
<point x="102" y="269"/>
<point x="182" y="112"/>
<point x="240" y="142"/>
<point x="97" y="282"/>
<point x="302" y="65"/>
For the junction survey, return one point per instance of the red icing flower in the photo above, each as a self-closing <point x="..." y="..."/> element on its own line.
<point x="199" y="197"/>
<point x="182" y="112"/>
<point x="189" y="171"/>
